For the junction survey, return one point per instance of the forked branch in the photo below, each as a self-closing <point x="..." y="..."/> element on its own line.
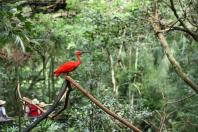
<point x="66" y="102"/>
<point x="167" y="49"/>
<point x="49" y="111"/>
<point x="185" y="28"/>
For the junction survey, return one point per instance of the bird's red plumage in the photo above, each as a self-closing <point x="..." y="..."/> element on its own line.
<point x="68" y="66"/>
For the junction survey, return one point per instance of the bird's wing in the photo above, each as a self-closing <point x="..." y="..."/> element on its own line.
<point x="66" y="67"/>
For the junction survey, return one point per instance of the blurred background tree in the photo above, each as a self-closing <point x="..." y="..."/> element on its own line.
<point x="126" y="70"/>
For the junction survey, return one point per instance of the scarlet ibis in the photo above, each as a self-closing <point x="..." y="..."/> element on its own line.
<point x="69" y="66"/>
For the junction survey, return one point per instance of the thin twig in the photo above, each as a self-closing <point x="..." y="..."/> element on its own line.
<point x="150" y="123"/>
<point x="194" y="35"/>
<point x="180" y="100"/>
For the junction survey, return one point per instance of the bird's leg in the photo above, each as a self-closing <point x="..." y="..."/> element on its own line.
<point x="69" y="84"/>
<point x="65" y="74"/>
<point x="66" y="101"/>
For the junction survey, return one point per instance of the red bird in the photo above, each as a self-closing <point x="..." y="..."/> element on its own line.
<point x="69" y="66"/>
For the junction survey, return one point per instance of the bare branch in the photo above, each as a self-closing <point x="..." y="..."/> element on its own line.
<point x="101" y="106"/>
<point x="49" y="111"/>
<point x="66" y="102"/>
<point x="180" y="100"/>
<point x="176" y="15"/>
<point x="180" y="29"/>
<point x="165" y="45"/>
<point x="193" y="34"/>
<point x="114" y="83"/>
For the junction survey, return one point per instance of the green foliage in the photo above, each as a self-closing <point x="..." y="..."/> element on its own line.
<point x="145" y="80"/>
<point x="14" y="26"/>
<point x="74" y="5"/>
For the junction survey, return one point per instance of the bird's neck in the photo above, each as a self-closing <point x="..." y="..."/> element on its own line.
<point x="78" y="59"/>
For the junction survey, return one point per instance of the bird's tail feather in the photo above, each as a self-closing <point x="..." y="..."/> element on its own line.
<point x="56" y="73"/>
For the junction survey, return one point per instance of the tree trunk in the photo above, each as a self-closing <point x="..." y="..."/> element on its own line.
<point x="52" y="77"/>
<point x="113" y="75"/>
<point x="165" y="45"/>
<point x="44" y="76"/>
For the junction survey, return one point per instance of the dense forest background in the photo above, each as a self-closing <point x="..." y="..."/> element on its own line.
<point x="142" y="62"/>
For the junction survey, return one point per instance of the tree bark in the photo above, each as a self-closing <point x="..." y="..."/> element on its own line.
<point x="113" y="75"/>
<point x="113" y="79"/>
<point x="43" y="89"/>
<point x="52" y="76"/>
<point x="101" y="106"/>
<point x="51" y="109"/>
<point x="193" y="34"/>
<point x="165" y="45"/>
<point x="66" y="102"/>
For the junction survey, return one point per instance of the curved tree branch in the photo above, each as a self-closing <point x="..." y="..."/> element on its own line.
<point x="65" y="104"/>
<point x="101" y="106"/>
<point x="49" y="111"/>
<point x="25" y="99"/>
<point x="165" y="45"/>
<point x="186" y="29"/>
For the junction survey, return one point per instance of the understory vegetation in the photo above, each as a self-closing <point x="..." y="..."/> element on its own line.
<point x="128" y="69"/>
